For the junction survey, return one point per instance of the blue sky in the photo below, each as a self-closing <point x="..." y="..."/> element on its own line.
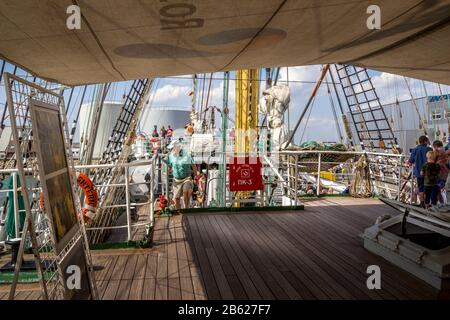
<point x="174" y="92"/>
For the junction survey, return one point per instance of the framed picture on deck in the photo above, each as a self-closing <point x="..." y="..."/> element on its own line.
<point x="48" y="140"/>
<point x="58" y="193"/>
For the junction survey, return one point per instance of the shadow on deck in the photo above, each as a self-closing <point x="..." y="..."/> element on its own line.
<point x="312" y="254"/>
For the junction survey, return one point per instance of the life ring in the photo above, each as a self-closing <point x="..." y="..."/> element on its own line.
<point x="90" y="194"/>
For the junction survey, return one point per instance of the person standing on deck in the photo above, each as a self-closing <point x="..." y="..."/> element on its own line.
<point x="418" y="158"/>
<point x="441" y="160"/>
<point x="430" y="172"/>
<point x="182" y="166"/>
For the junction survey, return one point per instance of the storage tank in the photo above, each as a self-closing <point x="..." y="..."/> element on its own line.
<point x="177" y="118"/>
<point x="108" y="118"/>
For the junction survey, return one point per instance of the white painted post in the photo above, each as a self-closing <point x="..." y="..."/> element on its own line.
<point x="127" y="199"/>
<point x="296" y="179"/>
<point x="400" y="178"/>
<point x="318" y="173"/>
<point x="16" y="205"/>
<point x="151" y="196"/>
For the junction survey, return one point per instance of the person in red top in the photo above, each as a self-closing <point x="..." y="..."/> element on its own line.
<point x="169" y="131"/>
<point x="441" y="160"/>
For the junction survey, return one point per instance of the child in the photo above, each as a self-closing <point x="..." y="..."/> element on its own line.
<point x="430" y="171"/>
<point x="441" y="160"/>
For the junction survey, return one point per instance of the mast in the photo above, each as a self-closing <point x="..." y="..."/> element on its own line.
<point x="223" y="167"/>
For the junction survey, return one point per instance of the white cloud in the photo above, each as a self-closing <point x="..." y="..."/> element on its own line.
<point x="391" y="87"/>
<point x="321" y="126"/>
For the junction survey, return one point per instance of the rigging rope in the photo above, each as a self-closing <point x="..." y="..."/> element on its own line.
<point x="422" y="123"/>
<point x="361" y="185"/>
<point x="307" y="119"/>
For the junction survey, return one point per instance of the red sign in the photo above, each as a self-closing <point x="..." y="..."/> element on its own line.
<point x="245" y="174"/>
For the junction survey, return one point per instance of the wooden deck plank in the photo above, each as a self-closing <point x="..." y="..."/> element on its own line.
<point x="106" y="275"/>
<point x="130" y="267"/>
<point x="294" y="241"/>
<point x="404" y="281"/>
<point x="218" y="268"/>
<point x="152" y="265"/>
<point x="266" y="269"/>
<point x="34" y="295"/>
<point x="136" y="289"/>
<point x="233" y="285"/>
<point x="244" y="279"/>
<point x="186" y="287"/>
<point x="148" y="291"/>
<point x="352" y="272"/>
<point x="111" y="289"/>
<point x="199" y="288"/>
<point x="209" y="281"/>
<point x="406" y="286"/>
<point x="119" y="267"/>
<point x="264" y="249"/>
<point x="312" y="254"/>
<point x="141" y="267"/>
<point x="161" y="278"/>
<point x="305" y="281"/>
<point x="123" y="291"/>
<point x="337" y="253"/>
<point x="173" y="275"/>
<point x="101" y="288"/>
<point x="257" y="279"/>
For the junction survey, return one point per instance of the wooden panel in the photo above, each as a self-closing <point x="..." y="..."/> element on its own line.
<point x="312" y="254"/>
<point x="137" y="286"/>
<point x="123" y="291"/>
<point x="148" y="292"/>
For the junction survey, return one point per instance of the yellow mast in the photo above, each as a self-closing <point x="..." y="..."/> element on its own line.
<point x="247" y="95"/>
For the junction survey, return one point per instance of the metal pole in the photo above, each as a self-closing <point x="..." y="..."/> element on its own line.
<point x="16" y="206"/>
<point x="127" y="199"/>
<point x="296" y="179"/>
<point x="318" y="174"/>
<point x="400" y="178"/>
<point x="152" y="177"/>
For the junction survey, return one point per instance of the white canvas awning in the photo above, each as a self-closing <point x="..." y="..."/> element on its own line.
<point x="130" y="39"/>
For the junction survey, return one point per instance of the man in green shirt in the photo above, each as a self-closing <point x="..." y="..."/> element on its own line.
<point x="182" y="166"/>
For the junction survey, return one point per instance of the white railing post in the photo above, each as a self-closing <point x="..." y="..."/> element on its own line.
<point x="318" y="173"/>
<point x="400" y="171"/>
<point x="16" y="205"/>
<point x="151" y="195"/>
<point x="296" y="179"/>
<point x="127" y="199"/>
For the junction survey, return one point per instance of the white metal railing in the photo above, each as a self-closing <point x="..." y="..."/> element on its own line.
<point x="128" y="205"/>
<point x="388" y="171"/>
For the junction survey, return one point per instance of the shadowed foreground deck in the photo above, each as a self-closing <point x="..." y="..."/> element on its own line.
<point x="312" y="254"/>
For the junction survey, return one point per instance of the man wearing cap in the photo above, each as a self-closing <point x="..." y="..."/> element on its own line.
<point x="182" y="166"/>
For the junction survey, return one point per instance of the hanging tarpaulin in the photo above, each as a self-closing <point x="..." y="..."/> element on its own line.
<point x="10" y="216"/>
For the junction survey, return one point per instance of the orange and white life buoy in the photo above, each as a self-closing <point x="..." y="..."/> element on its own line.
<point x="90" y="194"/>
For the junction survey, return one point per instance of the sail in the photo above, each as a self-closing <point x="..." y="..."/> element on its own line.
<point x="130" y="39"/>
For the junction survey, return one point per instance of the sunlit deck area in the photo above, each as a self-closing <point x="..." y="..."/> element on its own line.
<point x="316" y="253"/>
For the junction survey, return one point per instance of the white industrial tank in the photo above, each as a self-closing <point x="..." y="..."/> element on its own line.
<point x="108" y="118"/>
<point x="177" y="118"/>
